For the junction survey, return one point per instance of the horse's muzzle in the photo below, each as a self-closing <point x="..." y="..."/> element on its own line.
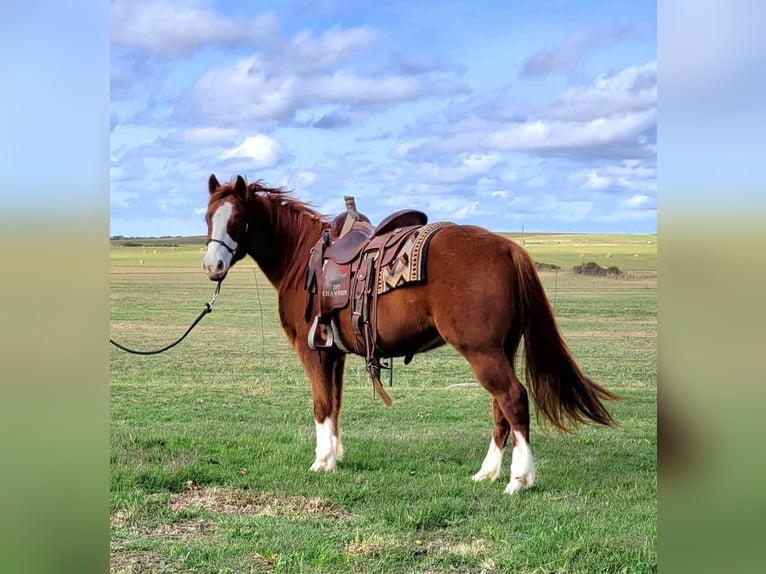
<point x="216" y="271"/>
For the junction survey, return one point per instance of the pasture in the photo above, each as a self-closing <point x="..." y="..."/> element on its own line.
<point x="212" y="441"/>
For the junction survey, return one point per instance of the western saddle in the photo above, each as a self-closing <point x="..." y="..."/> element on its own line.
<point x="344" y="268"/>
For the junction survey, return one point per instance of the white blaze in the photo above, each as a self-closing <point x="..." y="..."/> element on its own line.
<point x="215" y="251"/>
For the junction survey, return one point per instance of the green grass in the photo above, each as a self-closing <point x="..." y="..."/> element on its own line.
<point x="211" y="442"/>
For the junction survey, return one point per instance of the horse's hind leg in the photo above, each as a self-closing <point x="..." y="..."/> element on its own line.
<point x="492" y="467"/>
<point x="510" y="409"/>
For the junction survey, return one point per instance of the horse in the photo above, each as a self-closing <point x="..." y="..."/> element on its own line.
<point x="482" y="296"/>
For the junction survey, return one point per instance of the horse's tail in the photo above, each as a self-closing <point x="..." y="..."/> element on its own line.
<point x="561" y="392"/>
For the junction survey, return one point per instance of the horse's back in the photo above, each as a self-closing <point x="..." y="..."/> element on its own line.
<point x="470" y="284"/>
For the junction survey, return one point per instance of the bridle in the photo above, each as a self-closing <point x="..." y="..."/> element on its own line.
<point x="229" y="249"/>
<point x="223" y="243"/>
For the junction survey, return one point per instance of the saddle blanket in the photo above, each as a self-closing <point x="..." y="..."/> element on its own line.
<point x="408" y="265"/>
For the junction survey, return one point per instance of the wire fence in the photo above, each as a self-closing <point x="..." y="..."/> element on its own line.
<point x="604" y="319"/>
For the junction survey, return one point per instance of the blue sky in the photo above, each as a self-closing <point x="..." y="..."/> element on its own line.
<point x="534" y="114"/>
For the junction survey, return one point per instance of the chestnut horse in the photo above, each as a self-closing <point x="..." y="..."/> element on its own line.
<point x="481" y="296"/>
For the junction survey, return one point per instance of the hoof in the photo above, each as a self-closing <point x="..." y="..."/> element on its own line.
<point x="519" y="483"/>
<point x="490" y="475"/>
<point x="323" y="465"/>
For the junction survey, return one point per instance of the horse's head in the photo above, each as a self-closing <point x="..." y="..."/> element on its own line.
<point x="227" y="227"/>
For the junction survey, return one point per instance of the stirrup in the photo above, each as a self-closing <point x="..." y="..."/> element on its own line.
<point x="314" y="340"/>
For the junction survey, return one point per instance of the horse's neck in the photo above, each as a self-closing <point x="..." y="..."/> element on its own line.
<point x="278" y="247"/>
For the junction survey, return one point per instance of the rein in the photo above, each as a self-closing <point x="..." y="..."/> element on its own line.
<point x="208" y="308"/>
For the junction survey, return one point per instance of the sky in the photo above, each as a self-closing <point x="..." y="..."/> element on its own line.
<point x="536" y="115"/>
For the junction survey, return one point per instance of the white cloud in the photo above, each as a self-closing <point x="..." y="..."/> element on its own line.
<point x="561" y="136"/>
<point x="210" y="135"/>
<point x="442" y="207"/>
<point x="261" y="151"/>
<point x="565" y="210"/>
<point x="171" y="200"/>
<point x="573" y="49"/>
<point x="209" y="87"/>
<point x="300" y="180"/>
<point x="596" y="181"/>
<point x="122" y="198"/>
<point x="263" y="88"/>
<point x="614" y="117"/>
<point x="306" y="178"/>
<point x="631" y="90"/>
<point x="404" y="149"/>
<point x="635" y="201"/>
<point x="629" y="174"/>
<point x="181" y="27"/>
<point x="464" y="168"/>
<point x="479" y="163"/>
<point x="245" y="92"/>
<point x="306" y="52"/>
<point x="464" y="211"/>
<point x="352" y="88"/>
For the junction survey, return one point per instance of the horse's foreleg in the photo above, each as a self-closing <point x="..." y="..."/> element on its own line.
<point x="326" y="454"/>
<point x="337" y="390"/>
<point x="322" y="374"/>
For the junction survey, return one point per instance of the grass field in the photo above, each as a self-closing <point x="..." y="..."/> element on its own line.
<point x="211" y="442"/>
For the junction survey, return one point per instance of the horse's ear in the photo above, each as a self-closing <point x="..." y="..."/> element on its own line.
<point x="212" y="183"/>
<point x="240" y="186"/>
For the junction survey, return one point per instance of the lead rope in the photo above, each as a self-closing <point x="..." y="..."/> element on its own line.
<point x="208" y="308"/>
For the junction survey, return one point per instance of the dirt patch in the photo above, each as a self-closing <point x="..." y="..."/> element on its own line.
<point x="249" y="503"/>
<point x="121" y="519"/>
<point x="187" y="531"/>
<point x="473" y="547"/>
<point x="450" y="549"/>
<point x="134" y="561"/>
<point x="364" y="547"/>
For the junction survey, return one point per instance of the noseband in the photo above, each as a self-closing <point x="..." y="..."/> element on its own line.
<point x="229" y="249"/>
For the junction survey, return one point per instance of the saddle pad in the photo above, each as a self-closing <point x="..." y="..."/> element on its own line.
<point x="408" y="265"/>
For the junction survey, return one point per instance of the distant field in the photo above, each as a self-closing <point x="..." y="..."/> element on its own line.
<point x="211" y="442"/>
<point x="635" y="253"/>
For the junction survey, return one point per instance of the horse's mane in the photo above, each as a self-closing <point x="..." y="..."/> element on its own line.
<point x="297" y="221"/>
<point x="284" y="198"/>
<point x="279" y="196"/>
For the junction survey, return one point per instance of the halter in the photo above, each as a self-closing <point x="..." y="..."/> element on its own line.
<point x="229" y="249"/>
